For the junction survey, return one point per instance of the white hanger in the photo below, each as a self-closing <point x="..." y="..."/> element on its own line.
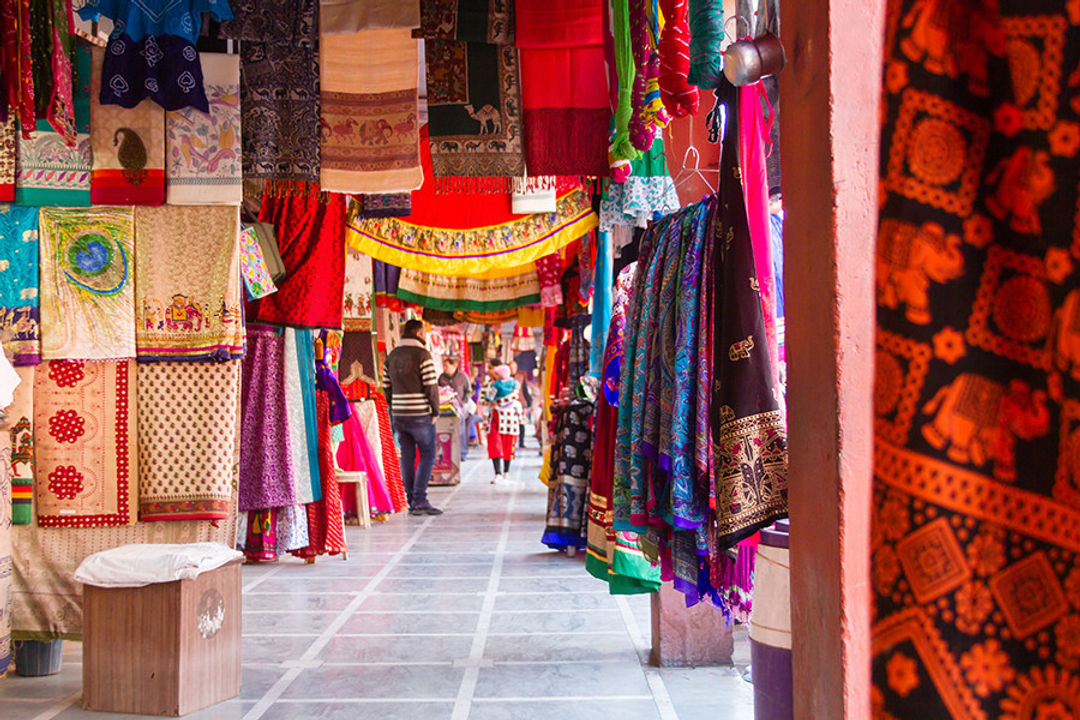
<point x="687" y="172"/>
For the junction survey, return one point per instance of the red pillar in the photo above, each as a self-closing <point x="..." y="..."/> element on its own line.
<point x="829" y="143"/>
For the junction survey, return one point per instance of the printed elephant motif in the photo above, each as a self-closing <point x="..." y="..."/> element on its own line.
<point x="978" y="420"/>
<point x="182" y="314"/>
<point x="1024" y="181"/>
<point x="1064" y="339"/>
<point x="908" y="259"/>
<point x="954" y="37"/>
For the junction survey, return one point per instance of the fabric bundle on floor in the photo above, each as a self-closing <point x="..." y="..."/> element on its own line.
<point x="19" y="304"/>
<point x="128" y="148"/>
<point x="87" y="283"/>
<point x="474" y="90"/>
<point x="86" y="463"/>
<point x="188" y="415"/>
<point x="48" y="171"/>
<point x="454" y="294"/>
<point x="188" y="310"/>
<point x="20" y="433"/>
<point x="267" y="473"/>
<point x="369" y="112"/>
<point x="202" y="151"/>
<point x="564" y="89"/>
<point x="310" y="229"/>
<point x="461" y="234"/>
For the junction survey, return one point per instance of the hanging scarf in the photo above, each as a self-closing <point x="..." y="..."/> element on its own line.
<point x="87" y="283"/>
<point x="8" y="131"/>
<point x="128" y="148"/>
<point x="359" y="295"/>
<point x="384" y="205"/>
<point x="346" y="17"/>
<point x="325" y="517"/>
<point x="369" y="112"/>
<point x="18" y="62"/>
<point x="310" y="234"/>
<point x="186" y="310"/>
<point x="469" y="294"/>
<point x="86" y="444"/>
<point x="706" y="37"/>
<point x="48" y="171"/>
<point x="465" y="235"/>
<point x="678" y="96"/>
<point x="563" y="87"/>
<point x="19" y="304"/>
<point x="203" y="149"/>
<point x="52" y="66"/>
<point x="20" y="433"/>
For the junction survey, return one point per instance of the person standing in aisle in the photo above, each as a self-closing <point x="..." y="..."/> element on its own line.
<point x="505" y="420"/>
<point x="412" y="393"/>
<point x="455" y="378"/>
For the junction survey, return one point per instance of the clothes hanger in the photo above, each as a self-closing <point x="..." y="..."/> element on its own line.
<point x="687" y="172"/>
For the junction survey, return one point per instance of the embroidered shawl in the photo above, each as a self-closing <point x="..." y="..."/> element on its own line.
<point x="310" y="228"/>
<point x="87" y="283"/>
<point x="459" y="234"/>
<point x="128" y="148"/>
<point x="47" y="170"/>
<point x="369" y="112"/>
<point x="203" y="163"/>
<point x="358" y="300"/>
<point x="19" y="309"/>
<point x="188" y="310"/>
<point x="257" y="280"/>
<point x="188" y="415"/>
<point x="469" y="294"/>
<point x="86" y="467"/>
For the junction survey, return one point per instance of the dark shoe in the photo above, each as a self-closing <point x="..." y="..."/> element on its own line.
<point x="416" y="511"/>
<point x="429" y="510"/>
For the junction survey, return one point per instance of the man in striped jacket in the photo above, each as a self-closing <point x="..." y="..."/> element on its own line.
<point x="412" y="392"/>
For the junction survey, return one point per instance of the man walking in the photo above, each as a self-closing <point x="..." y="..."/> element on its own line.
<point x="455" y="378"/>
<point x="412" y="393"/>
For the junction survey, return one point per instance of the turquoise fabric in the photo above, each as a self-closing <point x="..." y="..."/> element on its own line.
<point x="138" y="19"/>
<point x="305" y="356"/>
<point x="601" y="309"/>
<point x="706" y="35"/>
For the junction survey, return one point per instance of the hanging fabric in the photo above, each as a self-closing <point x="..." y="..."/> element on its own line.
<point x="369" y="112"/>
<point x="87" y="283"/>
<point x="454" y="294"/>
<point x="458" y="234"/>
<point x="346" y="17"/>
<point x="648" y="193"/>
<point x="203" y="163"/>
<point x="8" y="131"/>
<point x="359" y="294"/>
<point x="86" y="457"/>
<point x="20" y="433"/>
<point x="20" y="313"/>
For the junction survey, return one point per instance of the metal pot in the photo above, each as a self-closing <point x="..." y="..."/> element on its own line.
<point x="747" y="61"/>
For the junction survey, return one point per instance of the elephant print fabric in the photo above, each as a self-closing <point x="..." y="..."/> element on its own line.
<point x="976" y="528"/>
<point x="369" y="124"/>
<point x="188" y="310"/>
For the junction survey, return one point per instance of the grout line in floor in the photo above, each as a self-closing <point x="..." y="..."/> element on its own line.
<point x="661" y="697"/>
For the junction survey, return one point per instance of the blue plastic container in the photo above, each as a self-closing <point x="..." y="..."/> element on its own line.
<point x="36" y="659"/>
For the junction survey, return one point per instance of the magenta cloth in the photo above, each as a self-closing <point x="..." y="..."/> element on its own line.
<point x="267" y="477"/>
<point x="752" y="134"/>
<point x="355" y="455"/>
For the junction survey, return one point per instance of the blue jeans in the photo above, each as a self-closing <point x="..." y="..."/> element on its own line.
<point x="416" y="435"/>
<point x="465" y="436"/>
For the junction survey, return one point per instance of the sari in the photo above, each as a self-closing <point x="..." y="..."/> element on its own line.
<point x="20" y="312"/>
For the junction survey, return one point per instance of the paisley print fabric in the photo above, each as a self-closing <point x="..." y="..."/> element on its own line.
<point x="977" y="394"/>
<point x="87" y="283"/>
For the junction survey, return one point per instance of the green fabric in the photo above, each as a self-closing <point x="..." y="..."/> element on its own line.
<point x="622" y="149"/>
<point x="467" y="305"/>
<point x="706" y="36"/>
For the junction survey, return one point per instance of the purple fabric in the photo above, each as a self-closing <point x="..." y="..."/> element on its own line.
<point x="267" y="477"/>
<point x="386" y="277"/>
<point x="326" y="379"/>
<point x="165" y="68"/>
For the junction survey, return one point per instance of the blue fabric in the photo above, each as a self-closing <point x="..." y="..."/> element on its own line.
<point x="140" y="18"/>
<point x="776" y="239"/>
<point x="165" y="69"/>
<point x="305" y="357"/>
<point x="416" y="435"/>
<point x="601" y="312"/>
<point x="19" y="312"/>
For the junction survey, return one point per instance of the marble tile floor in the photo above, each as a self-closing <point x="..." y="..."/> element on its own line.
<point x="465" y="616"/>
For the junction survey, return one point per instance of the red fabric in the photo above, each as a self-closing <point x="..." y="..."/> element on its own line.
<point x="326" y="520"/>
<point x="391" y="464"/>
<point x="679" y="97"/>
<point x="112" y="187"/>
<point x="566" y="115"/>
<point x="461" y="209"/>
<point x="310" y="231"/>
<point x="501" y="446"/>
<point x="558" y="23"/>
<point x="355" y="454"/>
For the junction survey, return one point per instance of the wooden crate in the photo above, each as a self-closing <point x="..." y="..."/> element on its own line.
<point x="164" y="649"/>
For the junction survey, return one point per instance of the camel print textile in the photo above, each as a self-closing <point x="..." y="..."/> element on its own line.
<point x="86" y="464"/>
<point x="87" y="283"/>
<point x="975" y="565"/>
<point x="203" y="164"/>
<point x="369" y="112"/>
<point x="188" y="416"/>
<point x="187" y="310"/>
